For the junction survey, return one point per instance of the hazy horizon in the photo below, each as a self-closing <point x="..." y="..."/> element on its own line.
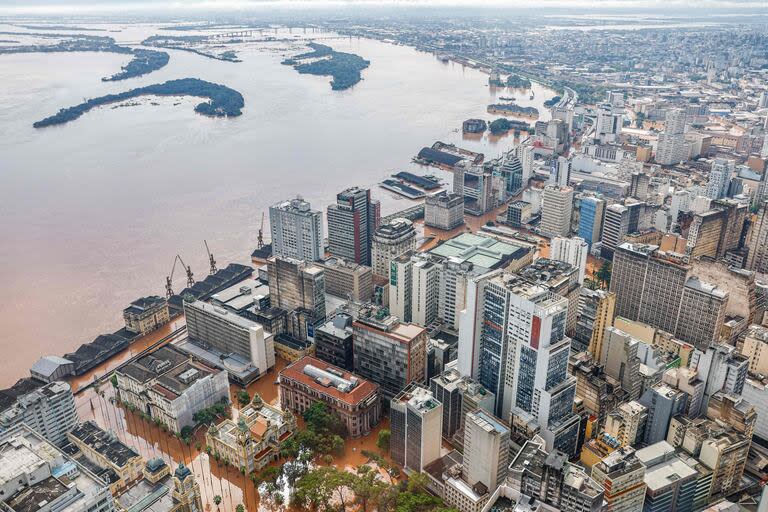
<point x="700" y="8"/>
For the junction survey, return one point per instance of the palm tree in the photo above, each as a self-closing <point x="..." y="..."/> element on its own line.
<point x="240" y="508"/>
<point x="217" y="501"/>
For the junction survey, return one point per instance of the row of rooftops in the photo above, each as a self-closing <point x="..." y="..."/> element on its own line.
<point x="105" y="443"/>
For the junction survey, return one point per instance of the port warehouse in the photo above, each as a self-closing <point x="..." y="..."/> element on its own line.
<point x="90" y="355"/>
<point x="425" y="182"/>
<point x="402" y="189"/>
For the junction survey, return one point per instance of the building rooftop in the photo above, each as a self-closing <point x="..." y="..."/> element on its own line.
<point x="417" y="398"/>
<point x="330" y="380"/>
<point x="47" y="365"/>
<point x="107" y="444"/>
<point x="22" y="451"/>
<point x="241" y="295"/>
<point x="143" y="304"/>
<point x="664" y="474"/>
<point x="153" y="365"/>
<point x="223" y="314"/>
<point x="481" y="251"/>
<point x="488" y="422"/>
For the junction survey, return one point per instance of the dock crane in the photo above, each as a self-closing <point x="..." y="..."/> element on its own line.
<point x="169" y="279"/>
<point x="260" y="240"/>
<point x="210" y="259"/>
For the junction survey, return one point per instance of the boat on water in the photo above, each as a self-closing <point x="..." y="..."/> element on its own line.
<point x="506" y="98"/>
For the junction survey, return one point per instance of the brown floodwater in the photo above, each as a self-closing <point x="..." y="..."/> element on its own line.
<point x="93" y="212"/>
<point x="97" y="403"/>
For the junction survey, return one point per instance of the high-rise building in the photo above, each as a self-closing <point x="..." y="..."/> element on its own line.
<point x="622" y="477"/>
<point x="662" y="402"/>
<point x="414" y="288"/>
<point x="720" y="178"/>
<point x="638" y="186"/>
<point x="390" y="241"/>
<point x="511" y="171"/>
<point x="37" y="476"/>
<point x="459" y="395"/>
<point x="594" y="314"/>
<point x="333" y="342"/>
<point x="618" y="357"/>
<point x="559" y="277"/>
<point x="627" y="423"/>
<point x="444" y="210"/>
<point x="388" y="352"/>
<point x="591" y="211"/>
<point x="486" y="449"/>
<point x="297" y="230"/>
<point x="523" y="357"/>
<point x="351" y="224"/>
<point x="671" y="483"/>
<point x="721" y="368"/>
<point x="298" y="288"/>
<point x="571" y="250"/>
<point x="348" y="280"/>
<point x="702" y="313"/>
<point x="221" y="334"/>
<point x="671" y="146"/>
<point x="547" y="476"/>
<point x="561" y="175"/>
<point x="654" y="287"/>
<point x="619" y="221"/>
<point x="608" y="123"/>
<point x="416" y="419"/>
<point x="556" y="210"/>
<point x="755" y="348"/>
<point x="757" y="259"/>
<point x="47" y="409"/>
<point x="524" y="153"/>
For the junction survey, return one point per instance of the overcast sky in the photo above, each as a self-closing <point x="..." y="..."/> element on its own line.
<point x="695" y="7"/>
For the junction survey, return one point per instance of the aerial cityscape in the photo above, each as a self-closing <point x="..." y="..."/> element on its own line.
<point x="384" y="256"/>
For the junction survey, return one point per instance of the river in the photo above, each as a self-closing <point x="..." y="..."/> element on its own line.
<point x="93" y="212"/>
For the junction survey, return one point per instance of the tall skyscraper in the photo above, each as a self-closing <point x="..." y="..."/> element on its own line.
<point x="556" y="210"/>
<point x="620" y="220"/>
<point x="297" y="230"/>
<point x="390" y="240"/>
<point x="571" y="250"/>
<point x="351" y="224"/>
<point x="512" y="173"/>
<point x="671" y="146"/>
<point x="591" y="211"/>
<point x="524" y="153"/>
<point x="416" y="419"/>
<point x="757" y="259"/>
<point x="720" y="178"/>
<point x="298" y="287"/>
<point x="595" y="313"/>
<point x="522" y="355"/>
<point x="655" y="287"/>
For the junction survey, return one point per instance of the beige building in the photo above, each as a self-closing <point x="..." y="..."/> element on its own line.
<point x="348" y="279"/>
<point x="252" y="440"/>
<point x="755" y="347"/>
<point x="626" y="422"/>
<point x="556" y="211"/>
<point x="390" y="241"/>
<point x="146" y="314"/>
<point x="104" y="450"/>
<point x="622" y="477"/>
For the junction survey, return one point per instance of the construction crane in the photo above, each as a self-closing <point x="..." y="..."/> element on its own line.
<point x="169" y="278"/>
<point x="260" y="240"/>
<point x="210" y="259"/>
